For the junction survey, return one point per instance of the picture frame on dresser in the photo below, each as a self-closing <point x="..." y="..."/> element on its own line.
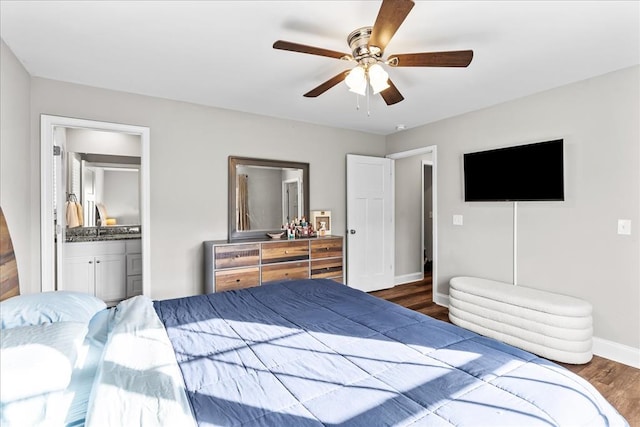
<point x="317" y="220"/>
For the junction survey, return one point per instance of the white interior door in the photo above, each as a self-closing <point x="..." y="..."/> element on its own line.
<point x="60" y="197"/>
<point x="370" y="226"/>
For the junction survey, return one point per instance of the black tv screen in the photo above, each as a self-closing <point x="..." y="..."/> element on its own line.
<point x="532" y="172"/>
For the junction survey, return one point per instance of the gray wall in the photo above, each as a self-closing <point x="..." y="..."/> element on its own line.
<point x="16" y="197"/>
<point x="189" y="148"/>
<point x="101" y="142"/>
<point x="569" y="247"/>
<point x="121" y="196"/>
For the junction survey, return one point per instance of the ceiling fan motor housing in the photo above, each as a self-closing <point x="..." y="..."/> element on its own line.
<point x="359" y="43"/>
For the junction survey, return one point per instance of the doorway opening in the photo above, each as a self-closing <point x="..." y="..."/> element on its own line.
<point x="56" y="189"/>
<point x="427" y="216"/>
<point x="417" y="243"/>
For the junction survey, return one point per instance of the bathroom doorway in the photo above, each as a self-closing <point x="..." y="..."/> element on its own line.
<point x="58" y="186"/>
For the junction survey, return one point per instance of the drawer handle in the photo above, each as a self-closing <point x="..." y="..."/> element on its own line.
<point x="98" y="262"/>
<point x="90" y="262"/>
<point x="286" y="274"/>
<point x="286" y="252"/>
<point x="237" y="255"/>
<point x="326" y="249"/>
<point x="237" y="280"/>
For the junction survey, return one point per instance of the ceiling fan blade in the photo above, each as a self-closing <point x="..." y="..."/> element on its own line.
<point x="391" y="95"/>
<point x="457" y="58"/>
<point x="296" y="47"/>
<point x="391" y="15"/>
<point x="327" y="85"/>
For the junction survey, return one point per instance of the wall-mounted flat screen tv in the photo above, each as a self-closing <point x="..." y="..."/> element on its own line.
<point x="531" y="172"/>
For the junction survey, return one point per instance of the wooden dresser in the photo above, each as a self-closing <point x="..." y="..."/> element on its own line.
<point x="251" y="263"/>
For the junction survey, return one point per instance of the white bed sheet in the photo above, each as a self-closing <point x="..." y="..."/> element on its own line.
<point x="138" y="380"/>
<point x="66" y="407"/>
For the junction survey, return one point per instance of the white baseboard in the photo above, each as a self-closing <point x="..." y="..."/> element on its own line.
<point x="407" y="278"/>
<point x="441" y="299"/>
<point x="617" y="352"/>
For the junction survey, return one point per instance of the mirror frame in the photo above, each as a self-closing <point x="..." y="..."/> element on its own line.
<point x="234" y="162"/>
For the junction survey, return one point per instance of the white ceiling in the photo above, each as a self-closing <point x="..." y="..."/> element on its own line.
<point x="219" y="53"/>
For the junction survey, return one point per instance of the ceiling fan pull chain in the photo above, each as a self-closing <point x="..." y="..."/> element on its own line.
<point x="357" y="102"/>
<point x="368" y="104"/>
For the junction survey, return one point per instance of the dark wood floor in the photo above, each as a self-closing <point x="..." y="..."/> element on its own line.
<point x="618" y="383"/>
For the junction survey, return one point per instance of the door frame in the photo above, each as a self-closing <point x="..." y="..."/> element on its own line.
<point x="433" y="149"/>
<point x="47" y="232"/>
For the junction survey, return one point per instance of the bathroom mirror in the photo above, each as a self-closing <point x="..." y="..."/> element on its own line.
<point x="100" y="170"/>
<point x="265" y="194"/>
<point x="105" y="186"/>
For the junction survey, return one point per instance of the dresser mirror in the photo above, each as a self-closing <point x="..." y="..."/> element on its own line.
<point x="265" y="194"/>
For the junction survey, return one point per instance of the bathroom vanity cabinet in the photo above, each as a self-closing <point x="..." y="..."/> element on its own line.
<point x="110" y="270"/>
<point x="134" y="267"/>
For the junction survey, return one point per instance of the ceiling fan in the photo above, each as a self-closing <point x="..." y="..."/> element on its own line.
<point x="367" y="45"/>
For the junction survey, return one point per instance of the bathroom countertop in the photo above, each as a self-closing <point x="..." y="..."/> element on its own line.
<point x="100" y="234"/>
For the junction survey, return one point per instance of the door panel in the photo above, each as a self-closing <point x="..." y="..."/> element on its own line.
<point x="370" y="235"/>
<point x="78" y="275"/>
<point x="111" y="277"/>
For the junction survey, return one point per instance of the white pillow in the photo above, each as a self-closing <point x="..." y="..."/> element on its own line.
<point x="38" y="359"/>
<point x="49" y="307"/>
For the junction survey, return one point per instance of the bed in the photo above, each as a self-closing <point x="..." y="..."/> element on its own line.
<point x="296" y="353"/>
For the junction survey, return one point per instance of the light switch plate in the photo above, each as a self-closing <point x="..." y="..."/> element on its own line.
<point x="624" y="227"/>
<point x="457" y="220"/>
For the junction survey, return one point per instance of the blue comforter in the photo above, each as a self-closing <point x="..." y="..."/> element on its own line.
<point x="314" y="352"/>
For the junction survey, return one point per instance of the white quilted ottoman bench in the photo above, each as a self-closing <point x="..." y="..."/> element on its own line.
<point x="556" y="327"/>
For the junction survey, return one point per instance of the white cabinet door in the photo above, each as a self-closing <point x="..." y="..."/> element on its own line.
<point x="134" y="285"/>
<point x="78" y="275"/>
<point x="134" y="264"/>
<point x="97" y="268"/>
<point x="111" y="282"/>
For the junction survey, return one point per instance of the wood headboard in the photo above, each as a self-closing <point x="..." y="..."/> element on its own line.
<point x="9" y="285"/>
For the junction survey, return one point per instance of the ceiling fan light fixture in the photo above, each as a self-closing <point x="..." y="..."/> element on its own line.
<point x="356" y="80"/>
<point x="378" y="78"/>
<point x="367" y="50"/>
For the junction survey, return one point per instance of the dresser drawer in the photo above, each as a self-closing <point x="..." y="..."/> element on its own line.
<point x="285" y="251"/>
<point x="326" y="248"/>
<point x="237" y="255"/>
<point x="326" y="268"/>
<point x="285" y="271"/>
<point x="237" y="278"/>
